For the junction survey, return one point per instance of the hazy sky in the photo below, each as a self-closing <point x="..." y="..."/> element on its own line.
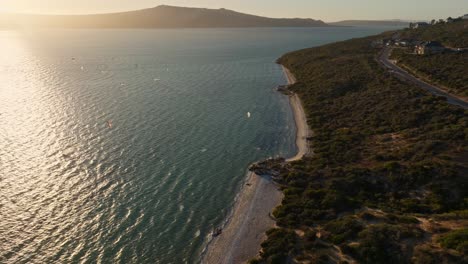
<point x="328" y="10"/>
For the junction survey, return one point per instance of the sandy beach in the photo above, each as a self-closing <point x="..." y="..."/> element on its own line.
<point x="242" y="236"/>
<point x="300" y="118"/>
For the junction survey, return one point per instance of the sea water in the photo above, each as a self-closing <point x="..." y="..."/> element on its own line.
<point x="129" y="146"/>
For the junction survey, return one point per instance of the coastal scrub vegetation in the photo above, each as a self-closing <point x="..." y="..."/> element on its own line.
<point x="457" y="240"/>
<point x="447" y="69"/>
<point x="453" y="34"/>
<point x="388" y="179"/>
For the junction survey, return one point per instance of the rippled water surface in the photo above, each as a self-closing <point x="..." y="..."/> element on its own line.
<point x="130" y="145"/>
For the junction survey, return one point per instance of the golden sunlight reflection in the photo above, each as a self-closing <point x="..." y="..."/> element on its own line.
<point x="30" y="113"/>
<point x="35" y="132"/>
<point x="22" y="107"/>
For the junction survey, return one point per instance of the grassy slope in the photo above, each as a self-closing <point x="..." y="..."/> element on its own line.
<point x="389" y="176"/>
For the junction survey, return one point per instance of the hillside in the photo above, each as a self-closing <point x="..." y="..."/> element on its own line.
<point x="388" y="179"/>
<point x="159" y="17"/>
<point x="371" y="23"/>
<point x="450" y="34"/>
<point x="447" y="69"/>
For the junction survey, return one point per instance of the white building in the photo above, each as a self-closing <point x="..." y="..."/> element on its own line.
<point x="465" y="16"/>
<point x="419" y="25"/>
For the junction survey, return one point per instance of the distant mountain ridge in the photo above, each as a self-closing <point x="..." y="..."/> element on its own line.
<point x="395" y="23"/>
<point x="158" y="17"/>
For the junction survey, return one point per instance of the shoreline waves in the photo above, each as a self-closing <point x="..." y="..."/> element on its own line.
<point x="244" y="232"/>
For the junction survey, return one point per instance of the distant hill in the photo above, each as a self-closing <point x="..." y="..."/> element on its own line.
<point x="158" y="17"/>
<point x="390" y="23"/>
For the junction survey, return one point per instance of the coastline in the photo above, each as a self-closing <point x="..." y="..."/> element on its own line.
<point x="244" y="232"/>
<point x="300" y="118"/>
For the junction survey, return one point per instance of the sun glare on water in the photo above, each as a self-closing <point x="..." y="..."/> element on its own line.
<point x="23" y="111"/>
<point x="32" y="130"/>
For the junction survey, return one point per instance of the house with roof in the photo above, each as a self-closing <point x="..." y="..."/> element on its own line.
<point x="465" y="16"/>
<point x="404" y="42"/>
<point x="419" y="25"/>
<point x="431" y="47"/>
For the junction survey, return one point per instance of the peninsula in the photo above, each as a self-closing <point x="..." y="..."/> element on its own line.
<point x="388" y="179"/>
<point x="158" y="17"/>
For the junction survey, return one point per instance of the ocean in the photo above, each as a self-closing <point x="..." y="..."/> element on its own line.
<point x="129" y="146"/>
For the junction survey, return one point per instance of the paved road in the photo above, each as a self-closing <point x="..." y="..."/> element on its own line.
<point x="384" y="60"/>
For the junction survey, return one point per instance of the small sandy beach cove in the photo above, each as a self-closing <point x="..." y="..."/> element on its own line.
<point x="242" y="236"/>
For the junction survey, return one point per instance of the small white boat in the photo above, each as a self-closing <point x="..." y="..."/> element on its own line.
<point x="248" y="114"/>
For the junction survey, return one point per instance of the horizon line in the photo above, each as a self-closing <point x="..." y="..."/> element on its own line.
<point x="191" y="7"/>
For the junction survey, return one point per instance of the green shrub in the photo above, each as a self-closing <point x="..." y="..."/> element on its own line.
<point x="278" y="245"/>
<point x="457" y="240"/>
<point x="343" y="229"/>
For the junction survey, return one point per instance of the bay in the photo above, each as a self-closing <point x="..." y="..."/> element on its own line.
<point x="129" y="146"/>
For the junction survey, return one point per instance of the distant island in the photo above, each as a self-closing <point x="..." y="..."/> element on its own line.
<point x="389" y="23"/>
<point x="158" y="17"/>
